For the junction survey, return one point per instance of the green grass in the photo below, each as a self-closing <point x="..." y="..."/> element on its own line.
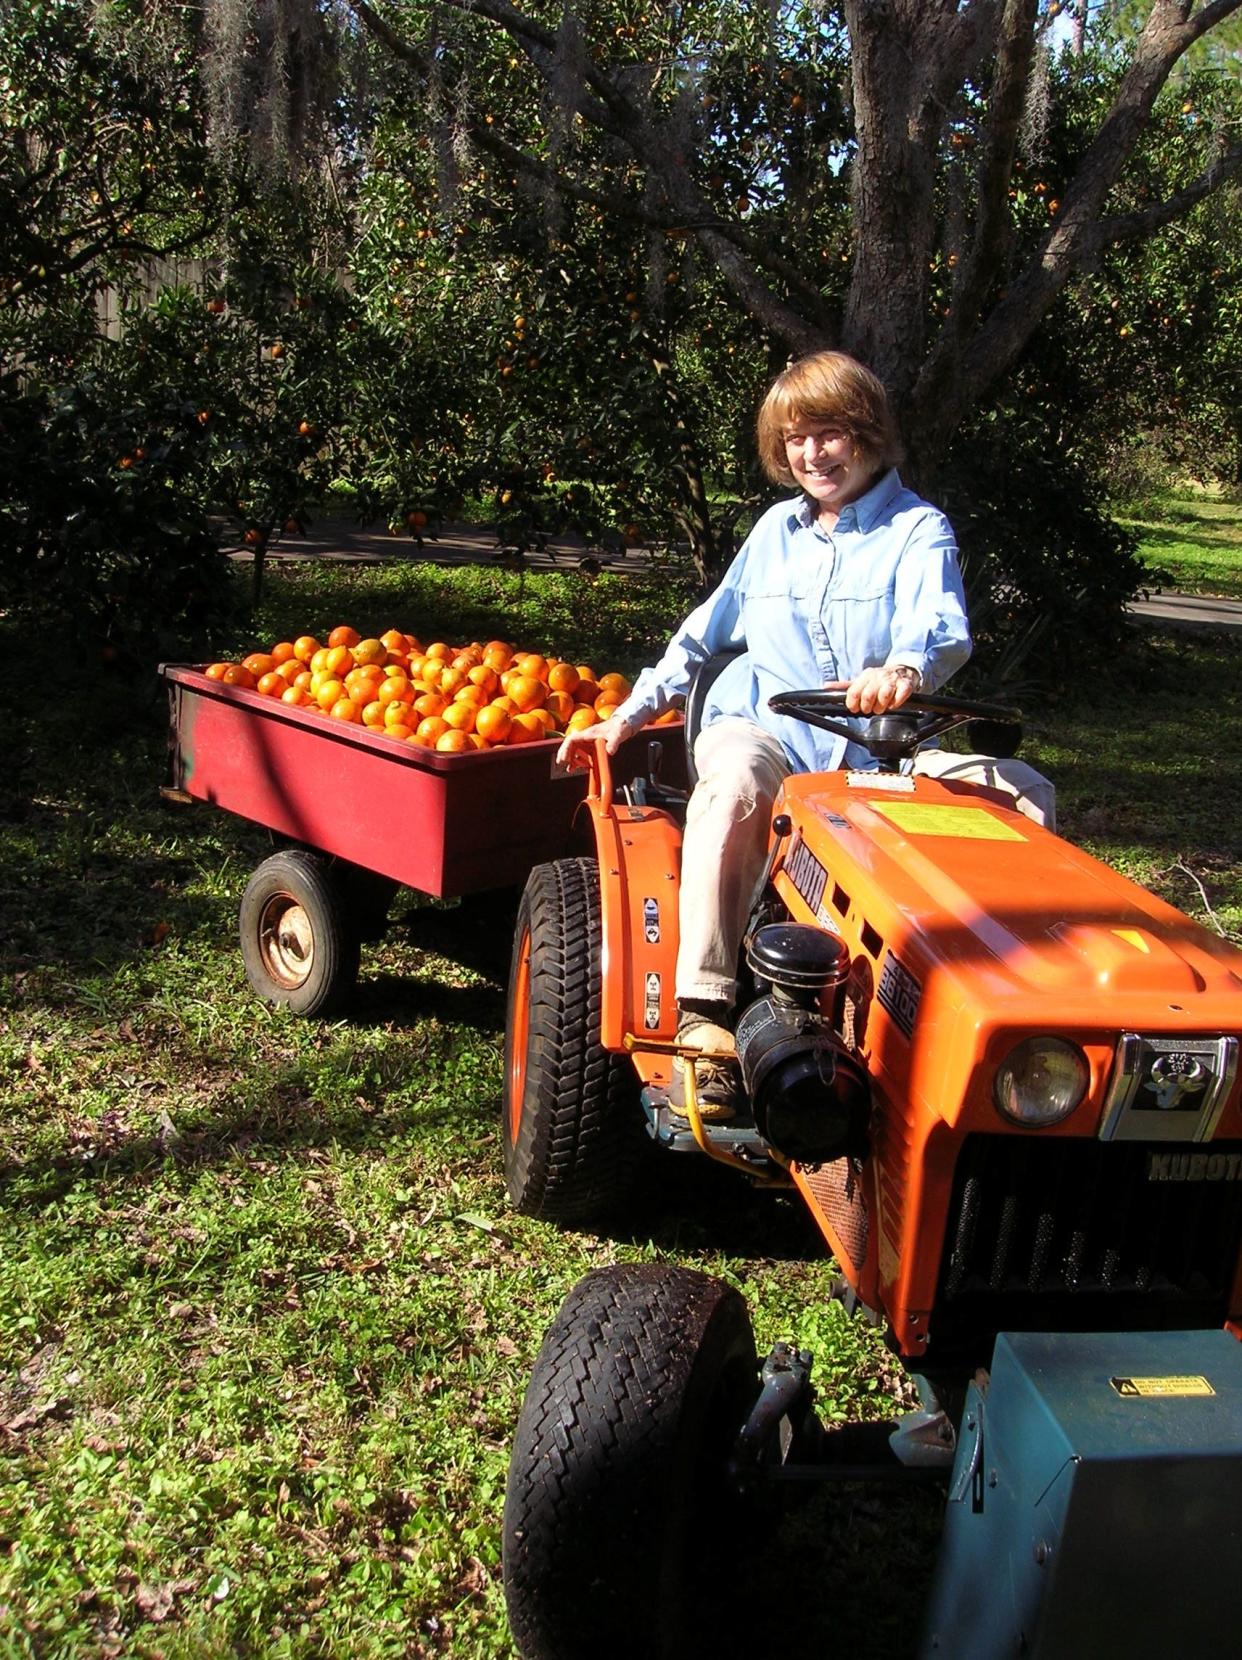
<point x="266" y="1317"/>
<point x="1195" y="537"/>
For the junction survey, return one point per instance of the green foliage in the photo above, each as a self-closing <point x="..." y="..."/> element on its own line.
<point x="101" y="528"/>
<point x="1047" y="571"/>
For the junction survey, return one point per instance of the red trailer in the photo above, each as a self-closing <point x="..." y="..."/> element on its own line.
<point x="362" y="814"/>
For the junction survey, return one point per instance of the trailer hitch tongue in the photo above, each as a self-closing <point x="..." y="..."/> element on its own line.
<point x="786" y="1386"/>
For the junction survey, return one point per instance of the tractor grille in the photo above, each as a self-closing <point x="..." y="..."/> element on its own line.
<point x="1073" y="1234"/>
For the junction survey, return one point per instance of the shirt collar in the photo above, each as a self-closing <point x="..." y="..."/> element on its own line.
<point x="863" y="514"/>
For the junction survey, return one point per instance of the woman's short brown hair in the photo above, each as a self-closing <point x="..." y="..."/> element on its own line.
<point x="827" y="386"/>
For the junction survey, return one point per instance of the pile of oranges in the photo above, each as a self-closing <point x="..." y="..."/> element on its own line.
<point x="456" y="699"/>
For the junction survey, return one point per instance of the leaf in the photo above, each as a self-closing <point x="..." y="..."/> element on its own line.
<point x="474" y="1220"/>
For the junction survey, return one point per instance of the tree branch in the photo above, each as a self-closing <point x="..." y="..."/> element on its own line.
<point x="1126" y="227"/>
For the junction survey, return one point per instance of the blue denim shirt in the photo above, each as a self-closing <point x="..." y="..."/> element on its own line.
<point x="812" y="606"/>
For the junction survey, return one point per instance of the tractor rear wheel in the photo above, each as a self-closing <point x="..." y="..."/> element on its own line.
<point x="619" y="1538"/>
<point x="297" y="943"/>
<point x="573" y="1129"/>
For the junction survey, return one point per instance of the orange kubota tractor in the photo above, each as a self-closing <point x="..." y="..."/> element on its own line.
<point x="1004" y="1079"/>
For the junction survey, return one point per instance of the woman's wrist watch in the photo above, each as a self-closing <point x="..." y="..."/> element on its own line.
<point x="907" y="671"/>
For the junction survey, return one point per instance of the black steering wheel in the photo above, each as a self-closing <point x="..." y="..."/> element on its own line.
<point x="895" y="735"/>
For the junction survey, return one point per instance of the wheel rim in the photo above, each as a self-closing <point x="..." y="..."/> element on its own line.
<point x="286" y="941"/>
<point x="520" y="1036"/>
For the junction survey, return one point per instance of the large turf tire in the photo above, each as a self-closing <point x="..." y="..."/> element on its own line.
<point x="573" y="1128"/>
<point x="617" y="1531"/>
<point x="298" y="943"/>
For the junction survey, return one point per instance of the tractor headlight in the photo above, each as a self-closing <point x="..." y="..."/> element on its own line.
<point x="1040" y="1082"/>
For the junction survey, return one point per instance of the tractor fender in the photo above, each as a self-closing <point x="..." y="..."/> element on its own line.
<point x="639" y="853"/>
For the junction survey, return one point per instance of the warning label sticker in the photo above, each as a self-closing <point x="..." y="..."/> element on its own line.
<point x="895" y="781"/>
<point x="1147" y="1387"/>
<point x="921" y="818"/>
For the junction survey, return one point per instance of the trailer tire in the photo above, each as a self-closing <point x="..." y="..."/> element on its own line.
<point x="573" y="1128"/>
<point x="298" y="945"/>
<point x="617" y="1533"/>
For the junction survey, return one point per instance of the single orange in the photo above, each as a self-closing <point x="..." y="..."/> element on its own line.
<point x="473" y="695"/>
<point x="338" y="661"/>
<point x="484" y="677"/>
<point x="282" y="652"/>
<point x="259" y="663"/>
<point x="392" y="639"/>
<point x="461" y="716"/>
<point x="432" y="670"/>
<point x="271" y="684"/>
<point x="453" y="742"/>
<point x="370" y="651"/>
<point x="373" y="714"/>
<point x="395" y="689"/>
<point x="398" y="711"/>
<point x="303" y="680"/>
<point x="289" y="670"/>
<point x="344" y="635"/>
<point x="497" y="655"/>
<point x="305" y="647"/>
<point x="329" y="692"/>
<point x="526" y="691"/>
<point x="294" y="695"/>
<point x="605" y="708"/>
<point x="527" y="728"/>
<point x="582" y="718"/>
<point x="586" y="691"/>
<point x="346" y="709"/>
<point x="215" y="671"/>
<point x="440" y="651"/>
<point x="236" y="674"/>
<point x="563" y="677"/>
<point x="506" y="703"/>
<point x="533" y="665"/>
<point x="616" y="684"/>
<point x="430" y="703"/>
<point x="560" y="706"/>
<point x="428" y="731"/>
<point x="399" y="730"/>
<point x="317" y="662"/>
<point x="493" y="723"/>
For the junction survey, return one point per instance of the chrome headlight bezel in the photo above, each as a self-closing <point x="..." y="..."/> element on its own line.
<point x="1040" y="1082"/>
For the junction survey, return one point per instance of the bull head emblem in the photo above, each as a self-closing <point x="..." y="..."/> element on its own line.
<point x="1173" y="1077"/>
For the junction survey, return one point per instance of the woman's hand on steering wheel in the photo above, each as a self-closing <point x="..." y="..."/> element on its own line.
<point x="876" y="690"/>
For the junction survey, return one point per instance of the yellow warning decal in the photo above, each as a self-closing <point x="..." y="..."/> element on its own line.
<point x="1146" y="1387"/>
<point x="923" y="818"/>
<point x="1134" y="938"/>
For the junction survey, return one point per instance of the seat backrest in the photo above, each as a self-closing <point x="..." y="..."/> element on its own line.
<point x="696" y="700"/>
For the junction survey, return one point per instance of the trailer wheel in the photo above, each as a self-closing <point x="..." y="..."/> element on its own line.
<point x="573" y="1130"/>
<point x="297" y="943"/>
<point x="618" y="1537"/>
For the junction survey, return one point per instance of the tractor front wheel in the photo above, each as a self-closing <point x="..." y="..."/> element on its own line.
<point x="573" y="1129"/>
<point x="619" y="1536"/>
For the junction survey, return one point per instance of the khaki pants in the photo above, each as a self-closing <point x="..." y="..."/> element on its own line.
<point x="741" y="768"/>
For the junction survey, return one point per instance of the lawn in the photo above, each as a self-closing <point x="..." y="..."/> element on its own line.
<point x="1194" y="536"/>
<point x="266" y="1316"/>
